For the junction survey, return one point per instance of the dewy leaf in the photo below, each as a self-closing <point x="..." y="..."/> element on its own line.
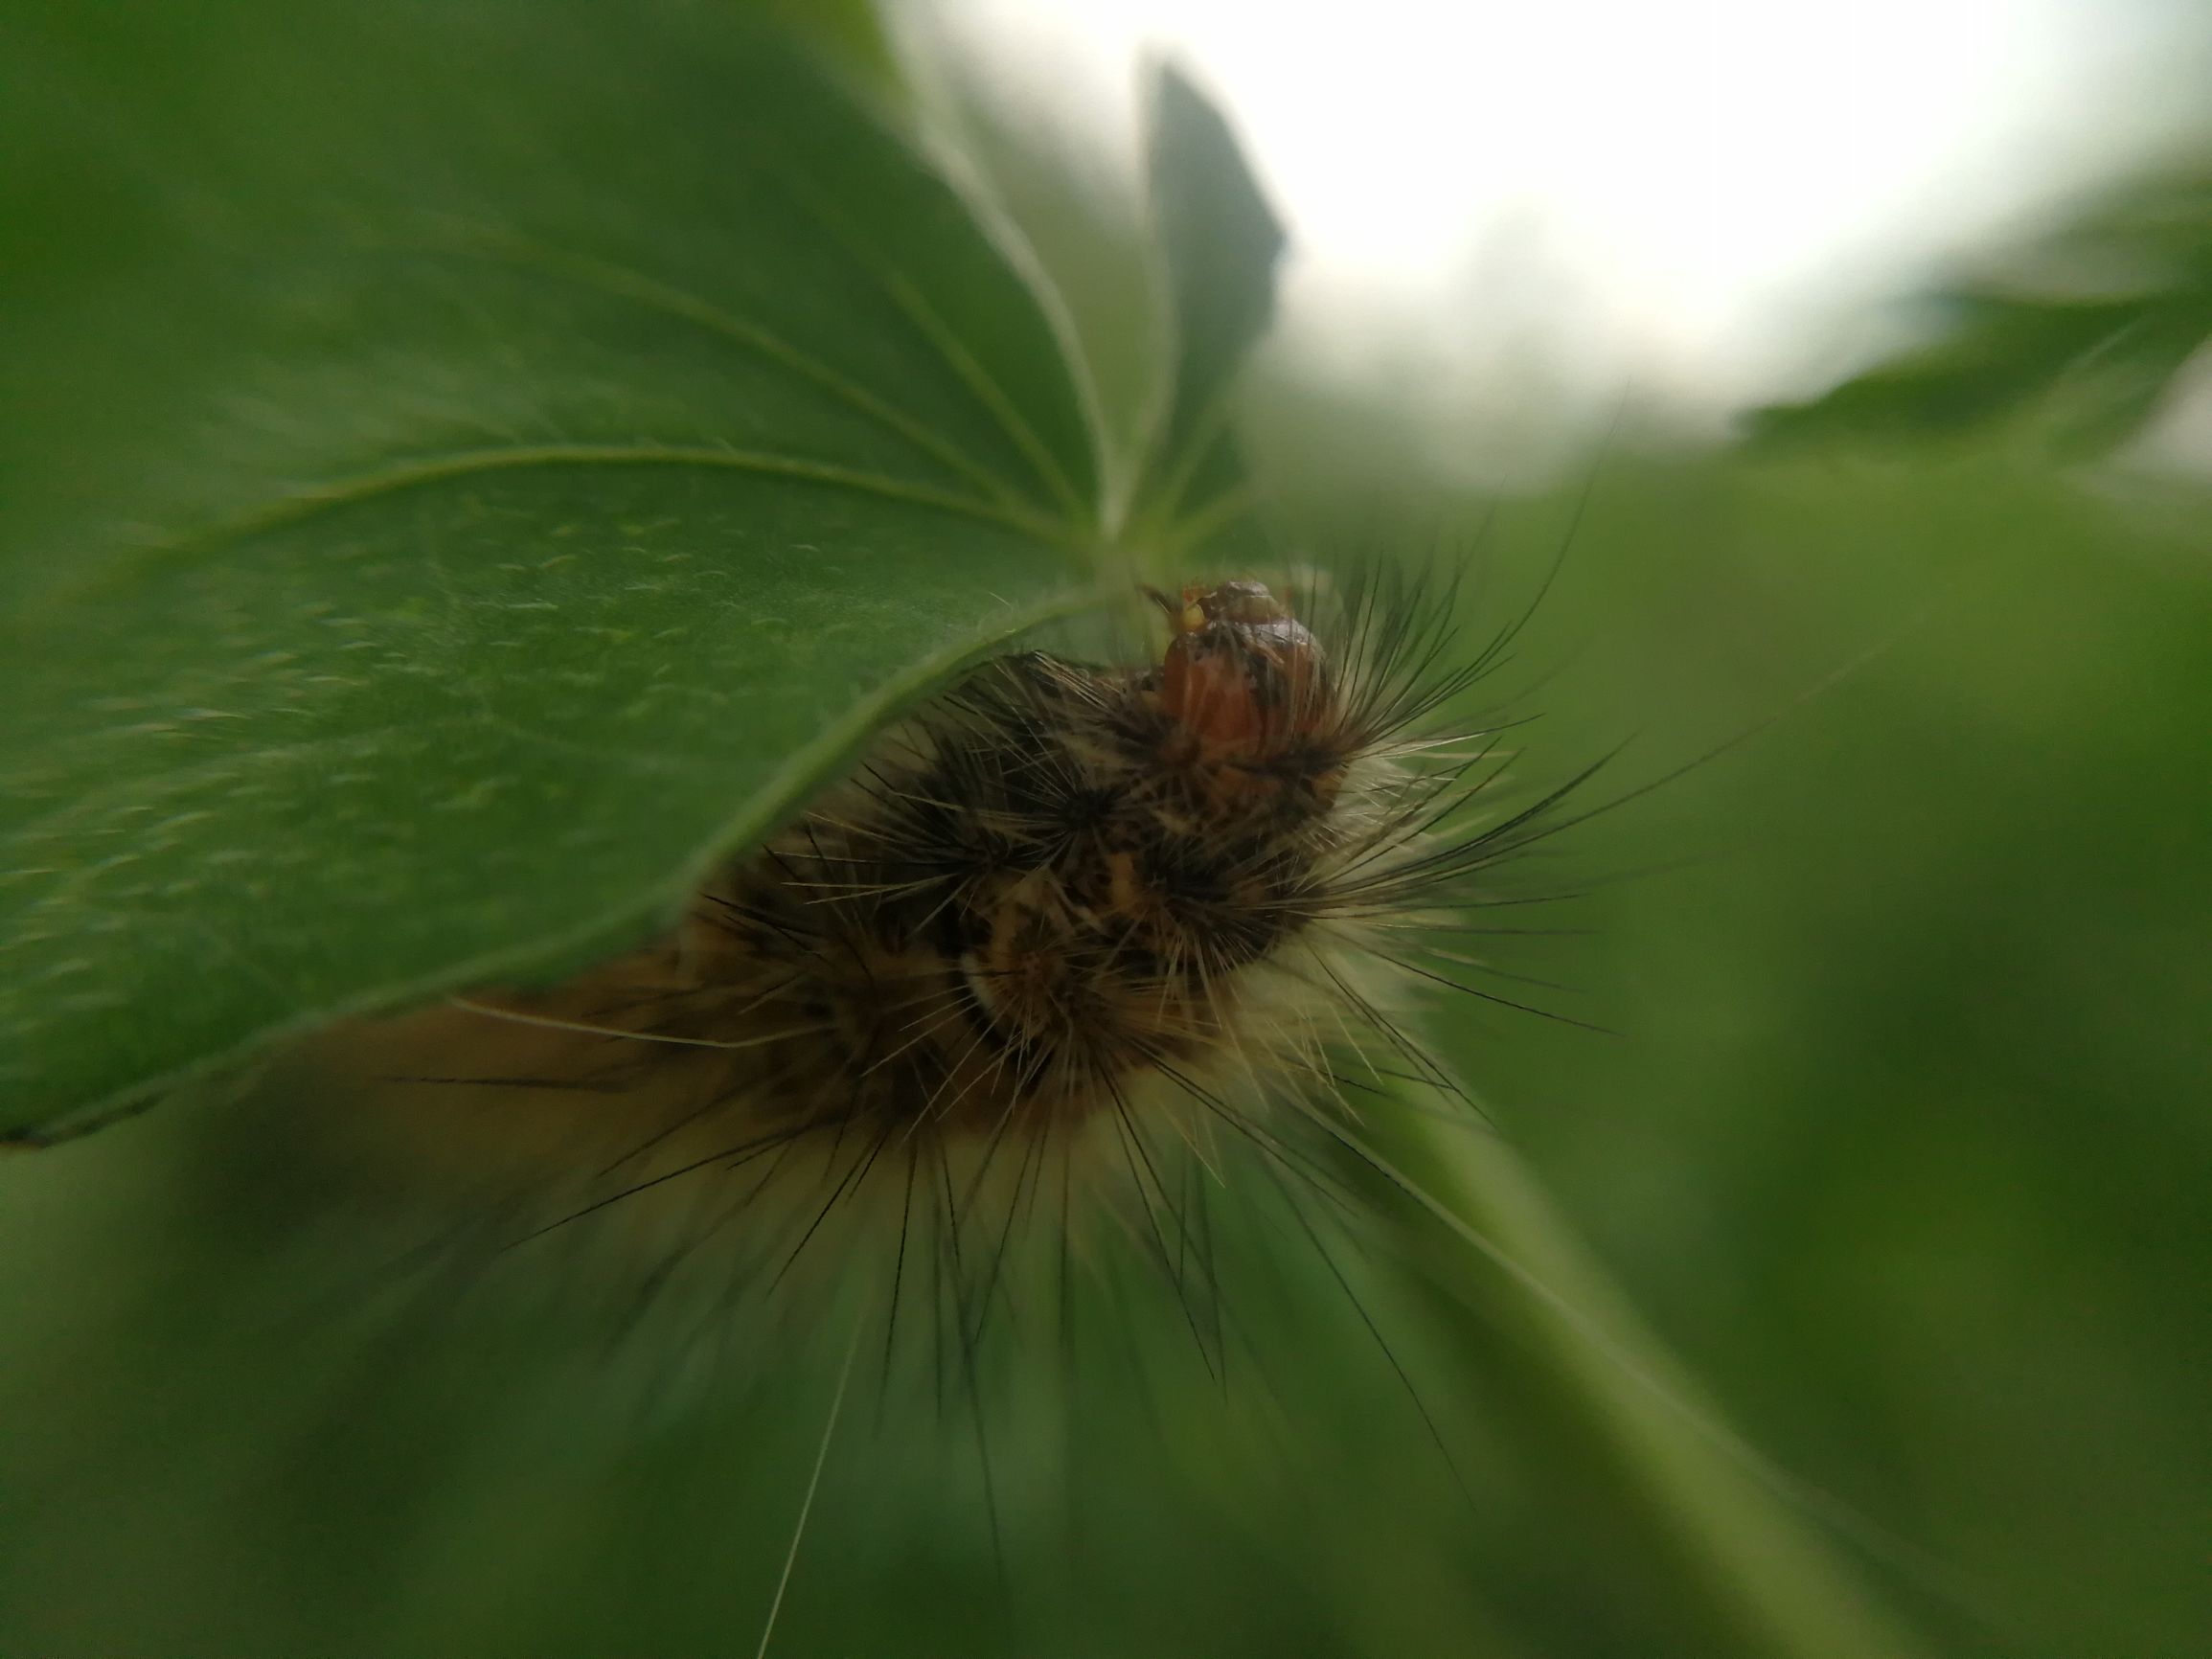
<point x="462" y="466"/>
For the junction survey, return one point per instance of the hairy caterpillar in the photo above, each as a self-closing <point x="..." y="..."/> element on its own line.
<point x="1087" y="975"/>
<point x="1074" y="947"/>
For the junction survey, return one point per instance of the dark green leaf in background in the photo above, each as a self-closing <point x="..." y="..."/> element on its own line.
<point x="1161" y="284"/>
<point x="1075" y="219"/>
<point x="1221" y="242"/>
<point x="2090" y="324"/>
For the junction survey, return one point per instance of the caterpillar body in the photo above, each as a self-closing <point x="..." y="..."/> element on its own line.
<point x="1074" y="946"/>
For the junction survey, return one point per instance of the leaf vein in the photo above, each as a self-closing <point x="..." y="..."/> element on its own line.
<point x="623" y="282"/>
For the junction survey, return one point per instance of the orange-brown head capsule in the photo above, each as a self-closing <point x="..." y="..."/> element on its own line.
<point x="1240" y="669"/>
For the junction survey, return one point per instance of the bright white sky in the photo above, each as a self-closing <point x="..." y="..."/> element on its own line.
<point x="1702" y="197"/>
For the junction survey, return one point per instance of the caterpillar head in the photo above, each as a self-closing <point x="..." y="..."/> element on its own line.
<point x="1241" y="671"/>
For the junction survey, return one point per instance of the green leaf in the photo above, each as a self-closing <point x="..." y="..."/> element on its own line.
<point x="466" y="465"/>
<point x="1076" y="222"/>
<point x="1994" y="355"/>
<point x="2094" y="321"/>
<point x="1160" y="293"/>
<point x="1220" y="242"/>
<point x="1739" y="1523"/>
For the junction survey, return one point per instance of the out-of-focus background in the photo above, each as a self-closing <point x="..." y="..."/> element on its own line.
<point x="1506" y="218"/>
<point x="1898" y="1136"/>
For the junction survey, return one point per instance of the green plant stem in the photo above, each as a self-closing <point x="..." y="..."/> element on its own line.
<point x="1719" y="1502"/>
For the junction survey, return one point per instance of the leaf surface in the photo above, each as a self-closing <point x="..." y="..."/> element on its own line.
<point x="466" y="465"/>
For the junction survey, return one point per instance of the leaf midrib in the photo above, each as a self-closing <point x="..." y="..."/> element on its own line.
<point x="299" y="506"/>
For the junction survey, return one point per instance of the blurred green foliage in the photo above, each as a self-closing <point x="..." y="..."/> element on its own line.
<point x="1899" y="1141"/>
<point x="2083" y="330"/>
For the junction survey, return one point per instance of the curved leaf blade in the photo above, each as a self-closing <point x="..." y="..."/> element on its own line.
<point x="476" y="463"/>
